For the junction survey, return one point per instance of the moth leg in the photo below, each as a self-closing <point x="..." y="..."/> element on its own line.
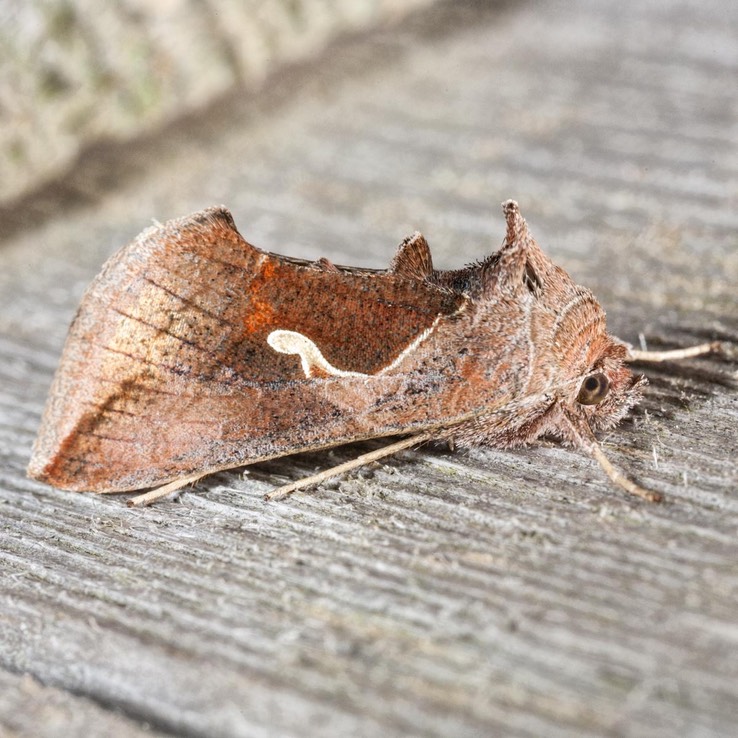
<point x="148" y="498"/>
<point x="618" y="478"/>
<point x="675" y="354"/>
<point x="285" y="491"/>
<point x="586" y="440"/>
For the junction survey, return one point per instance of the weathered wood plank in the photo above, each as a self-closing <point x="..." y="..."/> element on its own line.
<point x="473" y="593"/>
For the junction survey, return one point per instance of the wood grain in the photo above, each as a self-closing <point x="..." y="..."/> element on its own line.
<point x="439" y="593"/>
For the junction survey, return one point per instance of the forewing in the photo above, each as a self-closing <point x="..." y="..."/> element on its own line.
<point x="167" y="364"/>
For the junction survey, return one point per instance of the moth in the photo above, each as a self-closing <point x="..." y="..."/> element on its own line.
<point x="194" y="352"/>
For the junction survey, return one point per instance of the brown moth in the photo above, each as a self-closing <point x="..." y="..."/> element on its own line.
<point x="194" y="352"/>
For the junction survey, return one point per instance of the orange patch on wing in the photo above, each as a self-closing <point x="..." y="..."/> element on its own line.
<point x="261" y="312"/>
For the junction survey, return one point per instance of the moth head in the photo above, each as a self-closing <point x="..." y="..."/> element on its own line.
<point x="561" y="330"/>
<point x="569" y="375"/>
<point x="584" y="363"/>
<point x="604" y="391"/>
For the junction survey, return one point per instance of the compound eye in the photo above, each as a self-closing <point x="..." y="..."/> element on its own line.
<point x="594" y="389"/>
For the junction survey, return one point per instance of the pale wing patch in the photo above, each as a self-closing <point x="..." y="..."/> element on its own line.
<point x="314" y="364"/>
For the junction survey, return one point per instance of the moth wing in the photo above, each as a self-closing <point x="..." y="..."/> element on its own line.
<point x="167" y="369"/>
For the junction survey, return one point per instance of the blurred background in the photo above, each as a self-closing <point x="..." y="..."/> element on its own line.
<point x="77" y="73"/>
<point x="325" y="124"/>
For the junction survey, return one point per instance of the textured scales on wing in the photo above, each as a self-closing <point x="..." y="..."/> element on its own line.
<point x="167" y="367"/>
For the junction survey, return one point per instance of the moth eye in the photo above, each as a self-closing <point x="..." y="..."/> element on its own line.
<point x="594" y="389"/>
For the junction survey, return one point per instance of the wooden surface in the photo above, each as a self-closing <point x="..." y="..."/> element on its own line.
<point x="473" y="593"/>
